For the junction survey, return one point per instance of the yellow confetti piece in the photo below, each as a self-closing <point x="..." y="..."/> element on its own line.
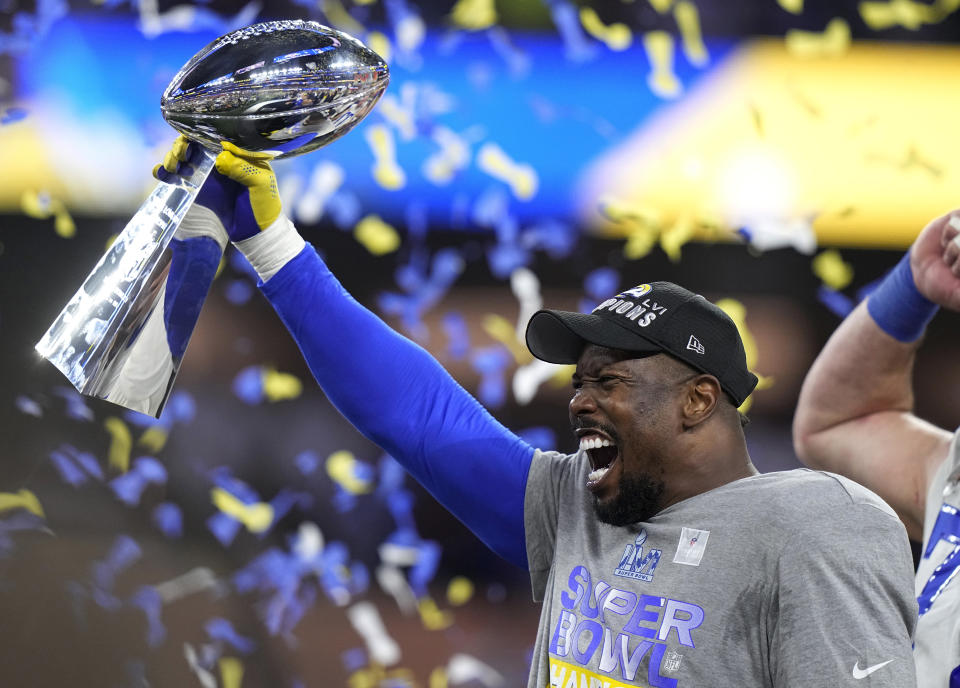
<point x="438" y="678"/>
<point x="121" y="442"/>
<point x="340" y="18"/>
<point x="386" y="172"/>
<point x="432" y="617"/>
<point x="257" y="517"/>
<point x="459" y="591"/>
<point x="521" y="178"/>
<point x="688" y="19"/>
<point x="153" y="439"/>
<point x="503" y="331"/>
<point x="474" y="14"/>
<point x="364" y="2"/>
<point x="375" y="676"/>
<point x="376" y="236"/>
<point x="616" y="36"/>
<point x="661" y="6"/>
<point x="231" y="672"/>
<point x="24" y="499"/>
<point x="662" y="79"/>
<point x="906" y="13"/>
<point x="832" y="270"/>
<point x="675" y="236"/>
<point x="380" y="44"/>
<point x="642" y="225"/>
<point x="341" y="467"/>
<point x="833" y="42"/>
<point x="42" y="206"/>
<point x="279" y="386"/>
<point x="738" y="313"/>
<point x="792" y="6"/>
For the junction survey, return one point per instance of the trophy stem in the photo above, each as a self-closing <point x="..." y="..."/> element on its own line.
<point x="122" y="335"/>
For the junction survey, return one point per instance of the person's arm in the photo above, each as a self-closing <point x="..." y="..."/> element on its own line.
<point x="842" y="612"/>
<point x="390" y="388"/>
<point x="855" y="411"/>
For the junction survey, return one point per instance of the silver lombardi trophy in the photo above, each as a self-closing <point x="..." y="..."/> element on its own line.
<point x="286" y="87"/>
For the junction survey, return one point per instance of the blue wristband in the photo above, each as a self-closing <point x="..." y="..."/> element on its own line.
<point x="897" y="307"/>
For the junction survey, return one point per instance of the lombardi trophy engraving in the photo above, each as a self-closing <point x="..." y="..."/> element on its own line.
<point x="287" y="87"/>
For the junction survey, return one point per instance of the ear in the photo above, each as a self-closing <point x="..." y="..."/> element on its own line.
<point x="700" y="398"/>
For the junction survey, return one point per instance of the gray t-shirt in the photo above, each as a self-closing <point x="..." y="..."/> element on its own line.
<point x="797" y="578"/>
<point x="938" y="592"/>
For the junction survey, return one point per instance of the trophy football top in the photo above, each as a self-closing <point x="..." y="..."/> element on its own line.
<point x="285" y="86"/>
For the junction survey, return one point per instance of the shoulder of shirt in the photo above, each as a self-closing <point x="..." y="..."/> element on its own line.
<point x="802" y="489"/>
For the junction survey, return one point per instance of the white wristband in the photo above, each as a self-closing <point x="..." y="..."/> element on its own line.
<point x="201" y="221"/>
<point x="272" y="248"/>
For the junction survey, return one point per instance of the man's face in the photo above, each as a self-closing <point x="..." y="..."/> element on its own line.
<point x="622" y="411"/>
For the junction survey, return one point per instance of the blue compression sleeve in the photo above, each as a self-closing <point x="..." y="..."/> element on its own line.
<point x="898" y="307"/>
<point x="401" y="398"/>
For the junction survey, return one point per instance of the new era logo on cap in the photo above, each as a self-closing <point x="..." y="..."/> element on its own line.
<point x="694" y="345"/>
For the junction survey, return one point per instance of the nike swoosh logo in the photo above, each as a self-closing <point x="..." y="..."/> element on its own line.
<point x="859" y="673"/>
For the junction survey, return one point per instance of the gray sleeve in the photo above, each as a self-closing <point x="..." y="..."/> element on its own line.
<point x="845" y="611"/>
<point x="550" y="474"/>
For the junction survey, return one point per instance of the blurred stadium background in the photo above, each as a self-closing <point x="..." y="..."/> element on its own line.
<point x="776" y="154"/>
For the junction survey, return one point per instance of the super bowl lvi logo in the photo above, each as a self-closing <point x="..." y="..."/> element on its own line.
<point x="634" y="563"/>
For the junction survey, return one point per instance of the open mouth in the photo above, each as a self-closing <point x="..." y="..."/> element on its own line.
<point x="602" y="452"/>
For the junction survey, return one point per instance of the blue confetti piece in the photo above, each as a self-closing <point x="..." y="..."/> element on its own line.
<point x="354" y="659"/>
<point x="400" y="505"/>
<point x="839" y="304"/>
<point x="557" y="238"/>
<point x="343" y="208"/>
<point x="343" y="500"/>
<point x="392" y="475"/>
<point x="77" y="408"/>
<point x="601" y="283"/>
<point x="69" y="472"/>
<point x="458" y="336"/>
<point x="517" y="61"/>
<point x="285" y="500"/>
<point x="239" y="292"/>
<point x="168" y="518"/>
<point x="151" y="470"/>
<point x="128" y="487"/>
<point x="123" y="553"/>
<point x="541" y="437"/>
<point x="223" y="527"/>
<point x="222" y="630"/>
<point x="307" y="462"/>
<point x="359" y="578"/>
<point x="149" y="601"/>
<point x="13" y="114"/>
<point x="504" y="258"/>
<point x="577" y="46"/>
<point x="423" y="572"/>
<point x="87" y="461"/>
<point x="491" y="363"/>
<point x="221" y="477"/>
<point x="248" y="385"/>
<point x="28" y="406"/>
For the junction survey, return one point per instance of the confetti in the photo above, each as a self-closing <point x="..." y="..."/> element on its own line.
<point x="839" y="304"/>
<point x="121" y="444"/>
<point x="577" y="47"/>
<point x="386" y="172"/>
<point x="279" y="386"/>
<point x="452" y="157"/>
<point x="521" y="178"/>
<point x="833" y="42"/>
<point x="738" y="313"/>
<point x="458" y="335"/>
<point x="231" y="672"/>
<point x="906" y="13"/>
<point x="168" y="518"/>
<point x="41" y="206"/>
<point x="28" y="406"/>
<point x="223" y="631"/>
<point x="129" y="486"/>
<point x="23" y="499"/>
<point x="792" y="6"/>
<point x="433" y="618"/>
<point x="661" y="6"/>
<point x="459" y="591"/>
<point x="366" y="620"/>
<point x="257" y="517"/>
<point x="832" y="270"/>
<point x="353" y="476"/>
<point x="148" y="600"/>
<point x="688" y="20"/>
<point x="190" y="583"/>
<point x="464" y="668"/>
<point x="616" y="36"/>
<point x="474" y="15"/>
<point x="662" y="80"/>
<point x="526" y="289"/>
<point x="375" y="235"/>
<point x="491" y="363"/>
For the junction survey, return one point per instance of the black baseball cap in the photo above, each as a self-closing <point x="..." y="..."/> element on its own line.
<point x="659" y="317"/>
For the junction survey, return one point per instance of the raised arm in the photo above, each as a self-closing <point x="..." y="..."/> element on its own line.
<point x="390" y="388"/>
<point x="855" y="412"/>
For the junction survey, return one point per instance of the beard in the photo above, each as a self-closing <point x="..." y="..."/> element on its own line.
<point x="637" y="499"/>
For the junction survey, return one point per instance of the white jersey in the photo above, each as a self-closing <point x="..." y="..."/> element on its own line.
<point x="937" y="640"/>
